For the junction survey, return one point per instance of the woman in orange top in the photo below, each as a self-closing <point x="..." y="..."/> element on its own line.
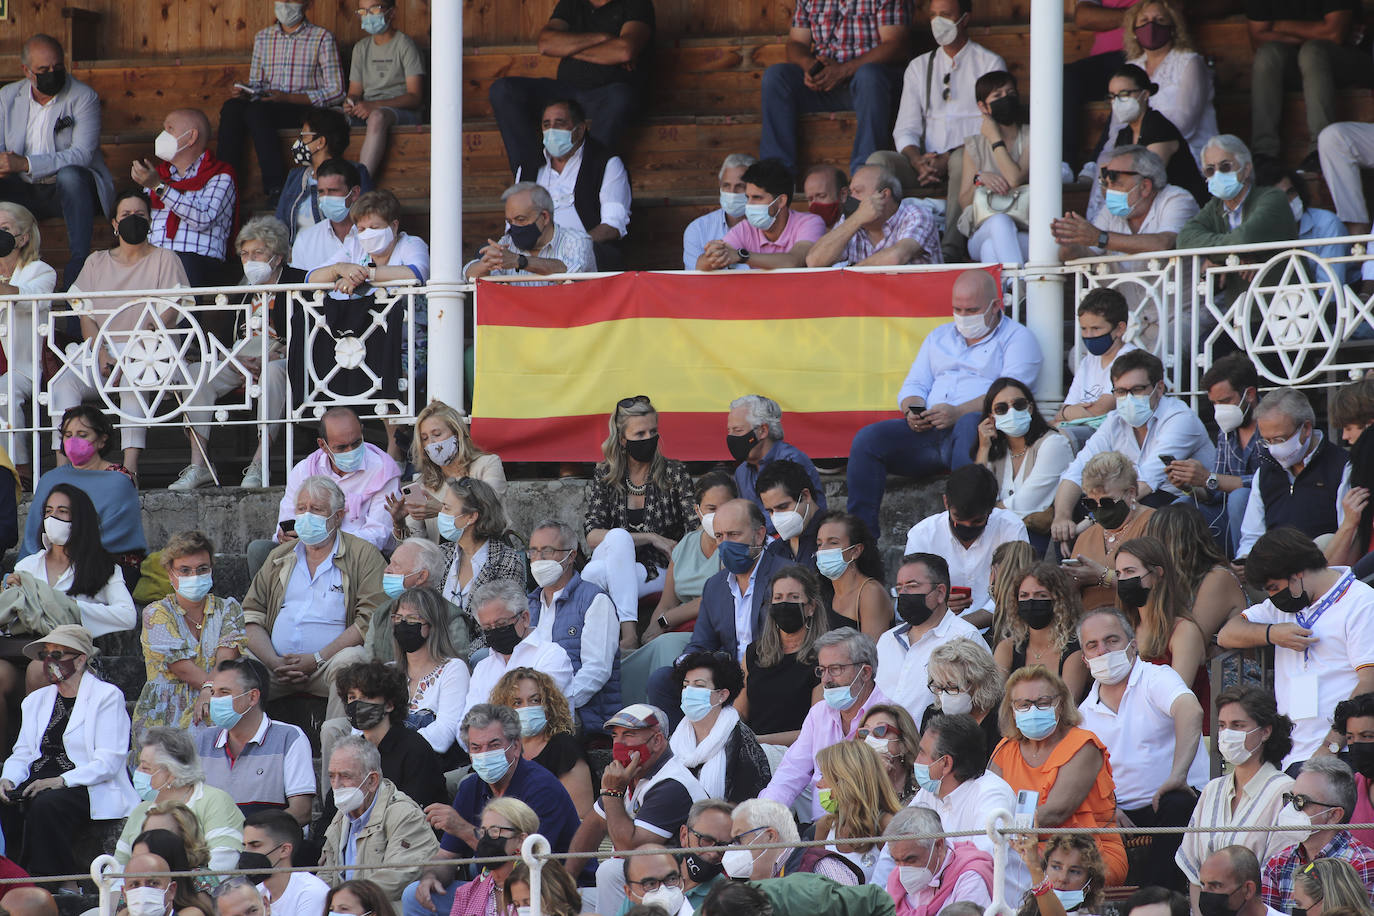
<point x="1046" y="752"/>
<point x="1110" y="497"/>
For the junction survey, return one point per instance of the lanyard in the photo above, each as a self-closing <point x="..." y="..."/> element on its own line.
<point x="1308" y="621"/>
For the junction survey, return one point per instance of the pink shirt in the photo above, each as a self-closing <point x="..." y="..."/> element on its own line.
<point x="365" y="492"/>
<point x="1109" y="40"/>
<point x="801" y="227"/>
<point x="1364" y="811"/>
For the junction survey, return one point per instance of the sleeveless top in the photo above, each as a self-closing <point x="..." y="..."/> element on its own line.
<point x="1018" y="655"/>
<point x="775" y="694"/>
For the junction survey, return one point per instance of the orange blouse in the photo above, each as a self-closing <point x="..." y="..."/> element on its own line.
<point x="1098" y="808"/>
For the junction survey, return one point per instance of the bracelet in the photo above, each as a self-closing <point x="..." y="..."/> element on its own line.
<point x="1000" y="144"/>
<point x="319" y="660"/>
<point x="1267" y="628"/>
<point x="1042" y="888"/>
<point x="605" y="794"/>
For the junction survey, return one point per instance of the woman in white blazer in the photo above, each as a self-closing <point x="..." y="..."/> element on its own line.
<point x="67" y="768"/>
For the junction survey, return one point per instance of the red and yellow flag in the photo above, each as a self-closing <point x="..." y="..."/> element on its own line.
<point x="830" y="346"/>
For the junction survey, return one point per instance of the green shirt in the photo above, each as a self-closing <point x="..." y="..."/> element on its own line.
<point x="382" y="69"/>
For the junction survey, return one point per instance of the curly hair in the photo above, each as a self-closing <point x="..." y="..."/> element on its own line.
<point x="861" y="789"/>
<point x="1089" y="858"/>
<point x="375" y="679"/>
<point x="725" y="672"/>
<point x="1169" y="597"/>
<point x="557" y="712"/>
<point x="1263" y="710"/>
<point x="1183" y="39"/>
<point x="1010" y="561"/>
<point x="1068" y="606"/>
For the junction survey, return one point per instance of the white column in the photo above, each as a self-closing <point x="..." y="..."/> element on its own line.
<point x="446" y="304"/>
<point x="1044" y="292"/>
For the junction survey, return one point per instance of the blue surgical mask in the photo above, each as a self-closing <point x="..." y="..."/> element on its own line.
<point x="490" y="766"/>
<point x="352" y="460"/>
<point x="448" y="529"/>
<point x="1013" y="422"/>
<point x="1071" y="900"/>
<point x="334" y="208"/>
<point x="1135" y="409"/>
<point x="194" y="588"/>
<point x="558" y="142"/>
<point x="922" y="773"/>
<point x="312" y="529"/>
<point x="1116" y="203"/>
<point x="831" y="563"/>
<point x="736" y="557"/>
<point x="393" y="584"/>
<point x="533" y="720"/>
<point x="1224" y="185"/>
<point x="222" y="712"/>
<point x="761" y="216"/>
<point x="733" y="203"/>
<point x="696" y="703"/>
<point x="143" y="785"/>
<point x="1037" y="723"/>
<point x="374" y="23"/>
<point x="841" y="698"/>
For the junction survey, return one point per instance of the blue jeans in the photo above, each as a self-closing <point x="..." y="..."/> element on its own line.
<point x="72" y="196"/>
<point x="893" y="447"/>
<point x="442" y="904"/>
<point x="869" y="94"/>
<point x="518" y="101"/>
<point x="1224" y="518"/>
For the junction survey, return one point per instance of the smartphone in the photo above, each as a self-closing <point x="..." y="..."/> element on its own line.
<point x="1026" y="802"/>
<point x="963" y="590"/>
<point x="1167" y="459"/>
<point x="1071" y="561"/>
<point x="288" y="525"/>
<point x="816" y="68"/>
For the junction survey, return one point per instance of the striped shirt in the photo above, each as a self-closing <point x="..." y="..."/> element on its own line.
<point x="306" y="60"/>
<point x="913" y="220"/>
<point x="206" y="215"/>
<point x="272" y="767"/>
<point x="1258" y="805"/>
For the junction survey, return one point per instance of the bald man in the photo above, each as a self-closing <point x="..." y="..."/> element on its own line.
<point x="29" y="901"/>
<point x="942" y="398"/>
<point x="152" y="895"/>
<point x="194" y="197"/>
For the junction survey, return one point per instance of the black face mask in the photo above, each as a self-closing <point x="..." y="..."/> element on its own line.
<point x="503" y="639"/>
<point x="700" y="870"/>
<point x="489" y="847"/>
<point x="740" y="446"/>
<point x="1036" y="613"/>
<point x="914" y="609"/>
<point x="134" y="228"/>
<point x="1215" y="903"/>
<point x="51" y="83"/>
<point x="642" y="450"/>
<point x="1112" y="517"/>
<point x="6" y="243"/>
<point x="790" y="618"/>
<point x="967" y="534"/>
<point x="524" y="237"/>
<point x="1131" y="592"/>
<point x="1006" y="110"/>
<point x="1297" y="911"/>
<point x="1286" y="601"/>
<point x="249" y="861"/>
<point x="408" y="636"/>
<point x="1361" y="758"/>
<point x="363" y="715"/>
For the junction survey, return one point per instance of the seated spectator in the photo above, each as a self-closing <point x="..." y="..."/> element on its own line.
<point x="169" y="771"/>
<point x="713" y="225"/>
<point x="1074" y="869"/>
<point x="1313" y="222"/>
<point x="1073" y="776"/>
<point x="297" y="893"/>
<point x="1145" y="426"/>
<point x="654" y="879"/>
<point x="295" y="66"/>
<point x="1156" y="901"/>
<point x="148" y="894"/>
<point x="965" y="535"/>
<point x="440" y="449"/>
<point x="794" y="510"/>
<point x="1343" y="149"/>
<point x="1352" y="412"/>
<point x="1240" y="212"/>
<point x="1355" y="718"/>
<point x="942" y="394"/>
<point x="639" y="505"/>
<point x="932" y="123"/>
<point x="826" y="189"/>
<point x="1149" y="223"/>
<point x="64" y="174"/>
<point x="1085" y="80"/>
<point x="1155" y="37"/>
<point x="386" y="81"/>
<point x="759" y="821"/>
<point x="858" y="800"/>
<point x="1153" y="595"/>
<point x="712" y="741"/>
<point x="996" y="161"/>
<point x="376" y="821"/>
<point x="324" y="135"/>
<point x="964" y="680"/>
<point x="1103" y="318"/>
<point x="1137" y="123"/>
<point x="263" y="250"/>
<point x="308" y="608"/>
<point x="1320" y="804"/>
<point x="779" y="665"/>
<point x="772" y="235"/>
<point x="846" y="663"/>
<point x="358" y="898"/>
<point x="502" y="612"/>
<point x="239" y="688"/>
<point x="812" y="893"/>
<point x="695" y="559"/>
<point x="184" y="636"/>
<point x="22" y="899"/>
<point x="558" y="892"/>
<point x="334" y="239"/>
<point x="892" y="734"/>
<point x="1208" y="584"/>
<point x="500" y="774"/>
<point x="571" y="612"/>
<point x="709" y="823"/>
<point x="28" y="275"/>
<point x="133" y="263"/>
<point x="883" y="230"/>
<point x="1024" y="453"/>
<point x="548" y="733"/>
<point x="1010" y="562"/>
<point x="847" y="555"/>
<point x="1042" y="631"/>
<point x="194" y="196"/>
<point x="1151" y="724"/>
<point x="55" y="787"/>
<point x="596" y="204"/>
<point x="429" y="637"/>
<point x="754" y="436"/>
<point x="838" y="58"/>
<point x="931" y="873"/>
<point x="477" y="552"/>
<point x="1253" y="738"/>
<point x="172" y="833"/>
<point x="1116" y="516"/>
<point x="1331" y="886"/>
<point x="1319" y="658"/>
<point x="534" y="242"/>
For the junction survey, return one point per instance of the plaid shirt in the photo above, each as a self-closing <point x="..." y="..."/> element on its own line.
<point x="206" y="215"/>
<point x="306" y="60"/>
<point x="845" y="29"/>
<point x="911" y="221"/>
<point x="1277" y="889"/>
<point x="1237" y="461"/>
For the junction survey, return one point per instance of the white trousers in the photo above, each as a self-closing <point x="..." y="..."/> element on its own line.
<point x="17" y="444"/>
<point x="998" y="241"/>
<point x="1344" y="148"/>
<point x="613" y="567"/>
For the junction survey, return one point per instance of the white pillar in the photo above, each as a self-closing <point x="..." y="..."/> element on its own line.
<point x="1044" y="292"/>
<point x="446" y="304"/>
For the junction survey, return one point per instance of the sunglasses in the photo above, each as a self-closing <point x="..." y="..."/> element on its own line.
<point x="883" y="731"/>
<point x="1105" y="503"/>
<point x="1018" y="404"/>
<point x="1110" y="176"/>
<point x="57" y="655"/>
<point x="627" y="403"/>
<point x="945" y="94"/>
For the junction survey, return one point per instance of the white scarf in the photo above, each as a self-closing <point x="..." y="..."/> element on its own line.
<point x="708" y="754"/>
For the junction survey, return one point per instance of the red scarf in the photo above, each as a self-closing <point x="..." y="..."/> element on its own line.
<point x="209" y="168"/>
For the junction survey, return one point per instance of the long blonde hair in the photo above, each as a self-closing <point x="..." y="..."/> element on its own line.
<point x="1183" y="39"/>
<point x="1168" y="601"/>
<point x="617" y="461"/>
<point x="431" y="475"/>
<point x="1011" y="560"/>
<point x="192" y="837"/>
<point x="861" y="788"/>
<point x="26" y="224"/>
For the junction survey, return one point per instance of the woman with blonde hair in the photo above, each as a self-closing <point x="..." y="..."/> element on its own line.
<point x="558" y="895"/>
<point x="1110" y="498"/>
<point x="505" y="823"/>
<point x="894" y="737"/>
<point x="1324" y="885"/>
<point x="780" y="664"/>
<point x="639" y="505"/>
<point x="175" y="817"/>
<point x="441" y="450"/>
<point x="1041" y="630"/>
<point x="1010" y="560"/>
<point x="1152" y="594"/>
<point x="547" y="733"/>
<point x="1155" y="37"/>
<point x="22" y="273"/>
<point x="858" y="799"/>
<point x="965" y="679"/>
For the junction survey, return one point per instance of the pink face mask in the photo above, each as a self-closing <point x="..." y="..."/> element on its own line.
<point x="78" y="450"/>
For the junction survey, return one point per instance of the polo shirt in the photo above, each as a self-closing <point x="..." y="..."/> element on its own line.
<point x="902" y="664"/>
<point x="969" y="566"/>
<point x="659" y="801"/>
<point x="1172" y="207"/>
<point x="273" y="766"/>
<point x="801" y="227"/>
<point x="533" y="785"/>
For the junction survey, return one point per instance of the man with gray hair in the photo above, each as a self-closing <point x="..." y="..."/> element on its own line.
<point x="708" y="227"/>
<point x="1303" y="486"/>
<point x="883" y="231"/>
<point x="916" y="883"/>
<point x="754" y="436"/>
<point x="1142" y="212"/>
<point x="533" y="242"/>
<point x="415" y="563"/>
<point x="1240" y="212"/>
<point x="759" y="821"/>
<point x="503" y="613"/>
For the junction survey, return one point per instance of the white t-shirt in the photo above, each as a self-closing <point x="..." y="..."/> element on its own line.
<point x="1091" y="379"/>
<point x="969" y="566"/>
<point x="304" y="896"/>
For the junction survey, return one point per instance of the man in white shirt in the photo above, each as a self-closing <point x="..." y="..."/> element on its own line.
<point x="1151" y="724"/>
<point x="927" y="622"/>
<point x="931" y="873"/>
<point x="1320" y="619"/>
<point x="965" y="535"/>
<point x="275" y="835"/>
<point x="590" y="187"/>
<point x="1147" y="427"/>
<point x="941" y="400"/>
<point x="1231" y="878"/>
<point x="334" y="239"/>
<point x="502" y="611"/>
<point x="534" y="242"/>
<point x="707" y="228"/>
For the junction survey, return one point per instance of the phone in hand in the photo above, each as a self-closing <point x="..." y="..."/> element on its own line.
<point x="1026" y="802"/>
<point x="288" y="525"/>
<point x="1071" y="561"/>
<point x="962" y="590"/>
<point x="1167" y="459"/>
<point x="816" y="69"/>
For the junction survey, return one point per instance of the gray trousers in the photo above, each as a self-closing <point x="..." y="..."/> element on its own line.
<point x="1321" y="66"/>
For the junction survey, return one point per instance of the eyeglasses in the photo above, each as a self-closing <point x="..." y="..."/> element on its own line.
<point x="833" y="670"/>
<point x="945" y="94"/>
<point x="1225" y="165"/>
<point x="397" y="618"/>
<point x="192" y="571"/>
<point x="1105" y="504"/>
<point x="627" y="403"/>
<point x="1300" y="802"/>
<point x="649" y="885"/>
<point x="949" y="690"/>
<point x="1280" y="440"/>
<point x="508" y="622"/>
<point x="57" y="655"/>
<point x="373" y="10"/>
<point x="1123" y="95"/>
<point x="1003" y="407"/>
<point x="738" y="839"/>
<point x="1110" y="176"/>
<point x="882" y="731"/>
<point x="550" y="553"/>
<point x="497" y="833"/>
<point x="1038" y="703"/>
<point x="1138" y="391"/>
<point x="708" y="840"/>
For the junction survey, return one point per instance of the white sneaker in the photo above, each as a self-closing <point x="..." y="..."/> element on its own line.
<point x="192" y="477"/>
<point x="252" y="476"/>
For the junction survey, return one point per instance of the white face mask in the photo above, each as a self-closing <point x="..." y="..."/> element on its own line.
<point x="257" y="272"/>
<point x="914" y="880"/>
<point x="1229" y="417"/>
<point x="57" y="530"/>
<point x="1300" y="821"/>
<point x="1291" y="450"/>
<point x="546" y="572"/>
<point x="1231" y="745"/>
<point x="708" y="525"/>
<point x="166" y="146"/>
<point x="1296" y="206"/>
<point x="146" y="901"/>
<point x="442" y="451"/>
<point x="375" y="240"/>
<point x="349" y="798"/>
<point x="668" y="899"/>
<point x="959" y="704"/>
<point x="788" y="524"/>
<point x="946" y="31"/>
<point x="1126" y="110"/>
<point x="972" y="327"/>
<point x="1110" y="668"/>
<point x="738" y="863"/>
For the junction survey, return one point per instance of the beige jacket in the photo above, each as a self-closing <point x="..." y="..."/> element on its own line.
<point x="360" y="564"/>
<point x="396" y="833"/>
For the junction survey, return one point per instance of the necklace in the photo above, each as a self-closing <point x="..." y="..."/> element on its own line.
<point x="634" y="488"/>
<point x="1109" y="538"/>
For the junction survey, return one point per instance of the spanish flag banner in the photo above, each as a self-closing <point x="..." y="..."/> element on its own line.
<point x="832" y="347"/>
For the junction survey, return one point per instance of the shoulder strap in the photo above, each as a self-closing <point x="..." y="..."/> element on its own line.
<point x="930" y="103"/>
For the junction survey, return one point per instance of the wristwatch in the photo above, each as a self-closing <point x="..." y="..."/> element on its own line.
<point x="1333" y="747"/>
<point x="1103" y="238"/>
<point x="160" y="189"/>
<point x="1212" y="483"/>
<point x="743" y="254"/>
<point x="521" y="262"/>
<point x="319" y="660"/>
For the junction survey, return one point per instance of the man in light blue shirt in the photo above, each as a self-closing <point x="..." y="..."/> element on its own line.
<point x="754" y="437"/>
<point x="942" y="398"/>
<point x="711" y="226"/>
